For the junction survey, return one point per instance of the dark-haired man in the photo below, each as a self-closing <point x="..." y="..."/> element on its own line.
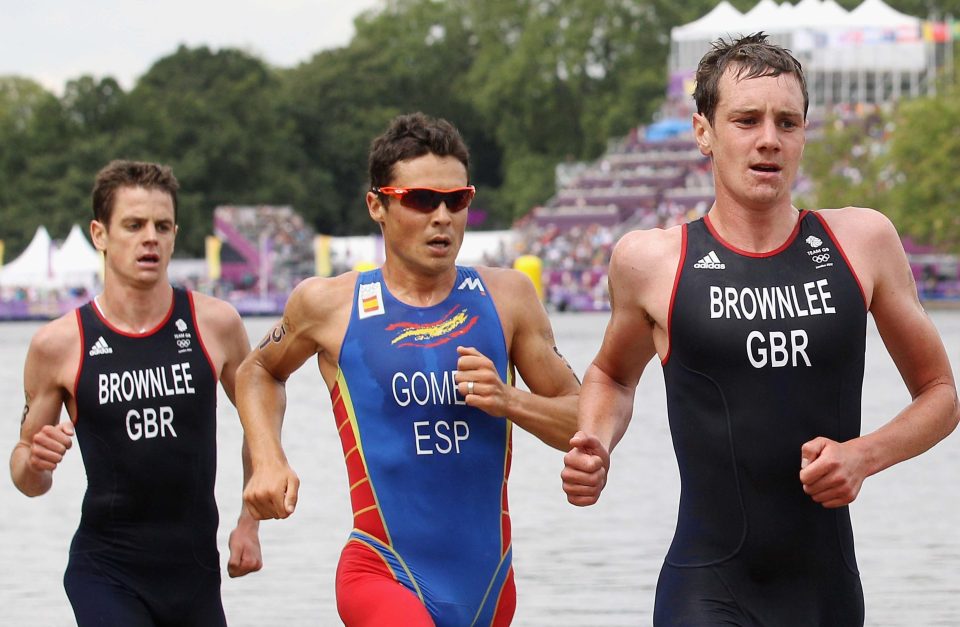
<point x="418" y="356"/>
<point x="758" y="314"/>
<point x="137" y="369"/>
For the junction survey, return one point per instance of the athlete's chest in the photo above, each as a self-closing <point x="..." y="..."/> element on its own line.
<point x="388" y="337"/>
<point x="144" y="388"/>
<point x="794" y="308"/>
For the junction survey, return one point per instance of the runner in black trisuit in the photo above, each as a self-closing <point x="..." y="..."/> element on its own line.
<point x="137" y="371"/>
<point x="758" y="314"/>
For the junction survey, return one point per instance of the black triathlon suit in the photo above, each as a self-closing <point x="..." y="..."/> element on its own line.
<point x="145" y="553"/>
<point x="766" y="353"/>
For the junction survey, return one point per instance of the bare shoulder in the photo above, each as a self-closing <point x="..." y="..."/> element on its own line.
<point x="215" y="313"/>
<point x="318" y="296"/>
<point x="314" y="320"/>
<point x="319" y="308"/>
<point x="57" y="338"/>
<point x="56" y="343"/>
<point x="872" y="247"/>
<point x="507" y="281"/>
<point x="860" y="227"/>
<point x="647" y="254"/>
<point x="648" y="244"/>
<point x="516" y="301"/>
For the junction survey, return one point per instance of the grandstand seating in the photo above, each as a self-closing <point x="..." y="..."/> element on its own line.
<point x="266" y="249"/>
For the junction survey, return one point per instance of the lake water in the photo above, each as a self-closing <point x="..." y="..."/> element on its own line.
<point x="593" y="566"/>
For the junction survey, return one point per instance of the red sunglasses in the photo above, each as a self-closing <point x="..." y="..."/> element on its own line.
<point x="427" y="199"/>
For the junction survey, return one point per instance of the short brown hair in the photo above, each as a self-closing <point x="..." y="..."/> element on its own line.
<point x="410" y="136"/>
<point x="753" y="57"/>
<point x="119" y="173"/>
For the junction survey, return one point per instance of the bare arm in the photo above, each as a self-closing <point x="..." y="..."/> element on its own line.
<point x="833" y="472"/>
<point x="44" y="440"/>
<point x="549" y="410"/>
<point x="244" y="542"/>
<point x="221" y="322"/>
<point x="235" y="346"/>
<point x="261" y="384"/>
<point x="271" y="491"/>
<point x="609" y="386"/>
<point x="230" y="345"/>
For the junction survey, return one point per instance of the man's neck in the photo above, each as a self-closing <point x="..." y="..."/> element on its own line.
<point x="752" y="230"/>
<point x="132" y="309"/>
<point x="418" y="289"/>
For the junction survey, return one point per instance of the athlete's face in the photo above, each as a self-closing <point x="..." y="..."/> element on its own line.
<point x="138" y="241"/>
<point x="424" y="242"/>
<point x="756" y="139"/>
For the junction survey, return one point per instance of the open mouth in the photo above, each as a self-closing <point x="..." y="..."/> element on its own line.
<point x="149" y="258"/>
<point x="765" y="167"/>
<point x="439" y="243"/>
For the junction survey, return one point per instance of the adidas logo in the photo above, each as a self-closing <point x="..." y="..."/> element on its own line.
<point x="100" y="348"/>
<point x="710" y="261"/>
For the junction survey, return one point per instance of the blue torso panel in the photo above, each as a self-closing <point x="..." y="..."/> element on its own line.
<point x="427" y="472"/>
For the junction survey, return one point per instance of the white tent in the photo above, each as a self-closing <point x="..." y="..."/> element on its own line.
<point x="722" y="19"/>
<point x="825" y="14"/>
<point x="871" y="55"/>
<point x="768" y="16"/>
<point x="32" y="268"/>
<point x="77" y="263"/>
<point x="43" y="266"/>
<point x="877" y="14"/>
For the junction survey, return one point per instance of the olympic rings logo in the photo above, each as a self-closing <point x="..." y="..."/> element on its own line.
<point x="183" y="343"/>
<point x="824" y="258"/>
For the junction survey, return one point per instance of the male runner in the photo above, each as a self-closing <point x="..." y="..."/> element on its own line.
<point x="758" y="314"/>
<point x="137" y="369"/>
<point x="418" y="356"/>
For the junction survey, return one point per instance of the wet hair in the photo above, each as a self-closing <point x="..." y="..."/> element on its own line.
<point x="751" y="56"/>
<point x="119" y="174"/>
<point x="410" y="136"/>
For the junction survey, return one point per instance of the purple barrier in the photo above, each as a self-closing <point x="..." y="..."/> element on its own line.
<point x="250" y="305"/>
<point x="38" y="310"/>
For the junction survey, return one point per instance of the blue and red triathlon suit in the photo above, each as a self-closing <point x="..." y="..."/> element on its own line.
<point x="428" y="474"/>
<point x="766" y="353"/>
<point x="145" y="553"/>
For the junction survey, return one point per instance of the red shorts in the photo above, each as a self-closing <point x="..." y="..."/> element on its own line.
<point x="368" y="594"/>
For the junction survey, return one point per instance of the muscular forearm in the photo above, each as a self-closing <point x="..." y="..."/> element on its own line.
<point x="29" y="481"/>
<point x="552" y="419"/>
<point x="931" y="417"/>
<point x="605" y="407"/>
<point x="261" y="402"/>
<point x="245" y="460"/>
<point x="246" y="518"/>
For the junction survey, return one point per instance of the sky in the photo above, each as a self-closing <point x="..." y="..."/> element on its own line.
<point x="53" y="41"/>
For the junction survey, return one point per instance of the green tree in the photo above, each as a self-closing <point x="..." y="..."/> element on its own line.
<point x="413" y="58"/>
<point x="924" y="153"/>
<point x="556" y="79"/>
<point x="214" y="117"/>
<point x="93" y="106"/>
<point x="35" y="143"/>
<point x="847" y="164"/>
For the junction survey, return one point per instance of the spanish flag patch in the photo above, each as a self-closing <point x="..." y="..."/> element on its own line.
<point x="370" y="300"/>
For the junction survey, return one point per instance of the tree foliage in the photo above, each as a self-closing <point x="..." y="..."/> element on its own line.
<point x="924" y="153"/>
<point x="901" y="163"/>
<point x="847" y="163"/>
<point x="530" y="83"/>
